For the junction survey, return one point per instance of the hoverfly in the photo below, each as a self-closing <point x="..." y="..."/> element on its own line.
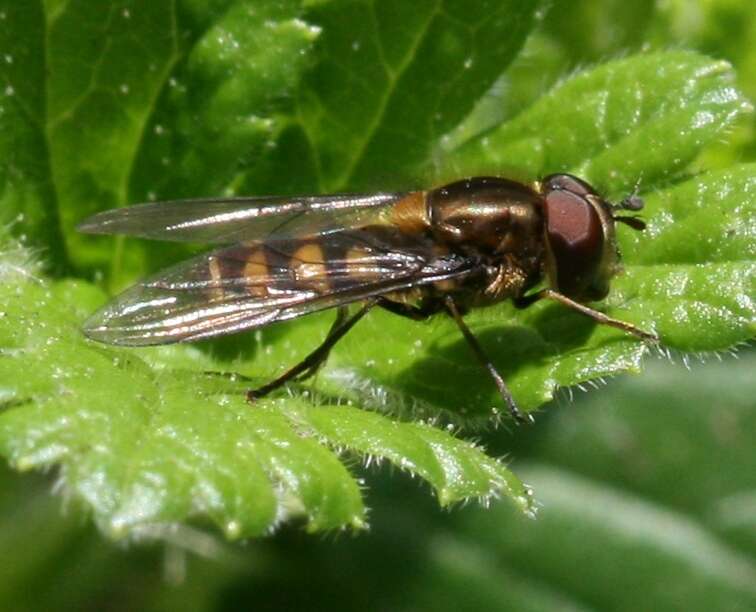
<point x="467" y="244"/>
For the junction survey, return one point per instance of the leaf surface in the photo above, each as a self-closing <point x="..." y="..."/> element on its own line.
<point x="142" y="448"/>
<point x="105" y="105"/>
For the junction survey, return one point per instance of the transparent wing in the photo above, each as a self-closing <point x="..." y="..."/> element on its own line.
<point x="248" y="286"/>
<point x="231" y="220"/>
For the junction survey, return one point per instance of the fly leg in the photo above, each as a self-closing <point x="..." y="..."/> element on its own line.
<point x="416" y="313"/>
<point x="413" y="312"/>
<point x="596" y="315"/>
<point x="486" y="362"/>
<point x="341" y="315"/>
<point x="317" y="357"/>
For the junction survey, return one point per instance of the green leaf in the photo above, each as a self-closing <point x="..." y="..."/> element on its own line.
<point x="97" y="106"/>
<point x="396" y="76"/>
<point x="28" y="196"/>
<point x="200" y="98"/>
<point x="643" y="118"/>
<point x="108" y="105"/>
<point x="173" y="446"/>
<point x="227" y="101"/>
<point x="103" y="68"/>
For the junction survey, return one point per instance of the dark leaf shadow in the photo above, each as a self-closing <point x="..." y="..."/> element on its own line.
<point x="450" y="376"/>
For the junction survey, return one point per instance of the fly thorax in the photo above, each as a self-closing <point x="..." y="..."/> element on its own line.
<point x="485" y="215"/>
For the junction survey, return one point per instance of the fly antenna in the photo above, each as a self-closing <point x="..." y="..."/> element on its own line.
<point x="632" y="221"/>
<point x="633" y="203"/>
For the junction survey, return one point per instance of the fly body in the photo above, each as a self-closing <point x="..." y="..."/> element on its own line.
<point x="467" y="244"/>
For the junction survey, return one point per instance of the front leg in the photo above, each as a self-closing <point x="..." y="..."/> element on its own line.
<point x="596" y="315"/>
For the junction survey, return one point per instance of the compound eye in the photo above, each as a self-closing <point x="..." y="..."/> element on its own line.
<point x="567" y="182"/>
<point x="576" y="241"/>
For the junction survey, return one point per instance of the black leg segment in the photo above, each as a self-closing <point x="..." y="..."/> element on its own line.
<point x="416" y="313"/>
<point x="486" y="362"/>
<point x="314" y="360"/>
<point x="341" y="315"/>
<point x="598" y="316"/>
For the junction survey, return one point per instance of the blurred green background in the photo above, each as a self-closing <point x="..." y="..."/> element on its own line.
<point x="647" y="484"/>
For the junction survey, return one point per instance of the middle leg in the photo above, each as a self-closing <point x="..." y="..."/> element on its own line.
<point x="416" y="313"/>
<point x="486" y="362"/>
